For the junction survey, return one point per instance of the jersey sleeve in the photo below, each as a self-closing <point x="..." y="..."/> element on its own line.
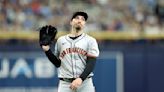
<point x="56" y="52"/>
<point x="93" y="50"/>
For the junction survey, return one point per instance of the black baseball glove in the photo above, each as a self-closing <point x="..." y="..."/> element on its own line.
<point x="47" y="35"/>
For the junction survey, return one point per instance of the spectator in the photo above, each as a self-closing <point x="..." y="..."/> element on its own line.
<point x="159" y="11"/>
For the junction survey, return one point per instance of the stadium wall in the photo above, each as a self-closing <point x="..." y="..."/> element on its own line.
<point x="142" y="68"/>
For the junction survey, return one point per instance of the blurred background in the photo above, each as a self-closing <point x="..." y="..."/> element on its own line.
<point x="130" y="34"/>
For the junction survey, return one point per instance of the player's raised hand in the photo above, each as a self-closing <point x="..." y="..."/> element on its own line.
<point x="45" y="47"/>
<point x="47" y="34"/>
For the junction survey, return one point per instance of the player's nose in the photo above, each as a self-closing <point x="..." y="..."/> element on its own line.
<point x="79" y="22"/>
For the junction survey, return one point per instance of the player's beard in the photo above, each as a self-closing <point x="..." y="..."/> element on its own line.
<point x="78" y="28"/>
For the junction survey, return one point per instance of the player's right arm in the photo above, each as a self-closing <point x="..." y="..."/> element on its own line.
<point x="56" y="61"/>
<point x="47" y="35"/>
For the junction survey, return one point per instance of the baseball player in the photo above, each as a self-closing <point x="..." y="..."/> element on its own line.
<point x="75" y="57"/>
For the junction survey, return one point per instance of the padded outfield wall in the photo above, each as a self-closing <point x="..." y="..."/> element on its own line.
<point x="122" y="67"/>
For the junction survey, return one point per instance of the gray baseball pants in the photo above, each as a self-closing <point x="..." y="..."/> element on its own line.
<point x="87" y="86"/>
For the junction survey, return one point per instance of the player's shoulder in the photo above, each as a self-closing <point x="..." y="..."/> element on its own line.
<point x="89" y="37"/>
<point x="61" y="38"/>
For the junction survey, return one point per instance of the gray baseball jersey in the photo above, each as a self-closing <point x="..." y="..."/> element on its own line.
<point x="73" y="54"/>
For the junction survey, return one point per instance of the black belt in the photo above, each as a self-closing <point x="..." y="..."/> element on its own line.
<point x="69" y="79"/>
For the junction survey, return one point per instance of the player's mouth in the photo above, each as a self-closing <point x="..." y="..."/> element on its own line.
<point x="78" y="28"/>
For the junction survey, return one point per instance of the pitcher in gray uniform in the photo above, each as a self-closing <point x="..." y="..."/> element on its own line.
<point x="75" y="57"/>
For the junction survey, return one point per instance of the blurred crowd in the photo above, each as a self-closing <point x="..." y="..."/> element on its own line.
<point x="104" y="15"/>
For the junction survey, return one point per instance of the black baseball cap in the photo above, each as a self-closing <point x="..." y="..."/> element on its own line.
<point x="84" y="14"/>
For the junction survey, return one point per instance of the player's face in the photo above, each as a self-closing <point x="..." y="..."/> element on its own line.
<point x="78" y="22"/>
